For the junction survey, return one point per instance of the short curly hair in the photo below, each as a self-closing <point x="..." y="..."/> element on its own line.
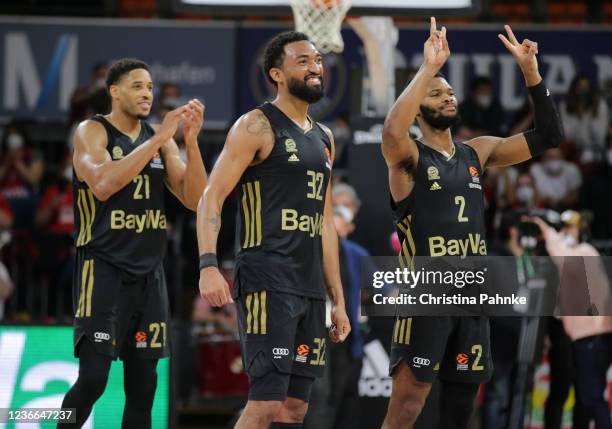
<point x="121" y="67"/>
<point x="275" y="50"/>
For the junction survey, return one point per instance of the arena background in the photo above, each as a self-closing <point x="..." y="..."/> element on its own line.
<point x="212" y="52"/>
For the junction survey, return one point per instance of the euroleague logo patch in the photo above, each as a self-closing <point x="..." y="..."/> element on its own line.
<point x="302" y="353"/>
<point x="156" y="161"/>
<point x="462" y="358"/>
<point x="462" y="361"/>
<point x="141" y="339"/>
<point x="475" y="179"/>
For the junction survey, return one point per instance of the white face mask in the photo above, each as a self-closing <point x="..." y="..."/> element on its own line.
<point x="484" y="100"/>
<point x="569" y="240"/>
<point x="67" y="173"/>
<point x="525" y="194"/>
<point x="14" y="141"/>
<point x="553" y="166"/>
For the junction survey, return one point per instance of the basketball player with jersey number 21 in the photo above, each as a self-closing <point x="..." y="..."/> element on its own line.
<point x="437" y="198"/>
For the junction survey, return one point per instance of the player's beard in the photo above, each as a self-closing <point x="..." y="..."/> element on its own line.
<point x="301" y="90"/>
<point x="437" y="120"/>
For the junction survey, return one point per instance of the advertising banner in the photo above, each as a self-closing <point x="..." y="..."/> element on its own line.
<point x="43" y="61"/>
<point x="37" y="367"/>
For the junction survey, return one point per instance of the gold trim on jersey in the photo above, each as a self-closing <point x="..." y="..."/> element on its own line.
<point x="402" y="330"/>
<point x="86" y="292"/>
<point x="407" y="251"/>
<point x="251" y="208"/>
<point x="87" y="213"/>
<point x="309" y="126"/>
<point x="257" y="315"/>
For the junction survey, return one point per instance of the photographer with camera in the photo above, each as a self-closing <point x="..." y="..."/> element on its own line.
<point x="515" y="340"/>
<point x="591" y="336"/>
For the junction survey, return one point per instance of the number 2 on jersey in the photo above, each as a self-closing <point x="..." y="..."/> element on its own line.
<point x="315" y="183"/>
<point x="460" y="201"/>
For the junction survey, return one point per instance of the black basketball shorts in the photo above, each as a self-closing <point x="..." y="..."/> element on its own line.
<point x="120" y="313"/>
<point x="454" y="348"/>
<point x="283" y="338"/>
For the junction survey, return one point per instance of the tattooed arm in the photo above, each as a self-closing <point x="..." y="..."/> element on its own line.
<point x="248" y="136"/>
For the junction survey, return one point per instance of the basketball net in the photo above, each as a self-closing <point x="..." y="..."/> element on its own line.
<point x="379" y="36"/>
<point x="321" y="21"/>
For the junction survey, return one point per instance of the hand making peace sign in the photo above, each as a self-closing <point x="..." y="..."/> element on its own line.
<point x="524" y="53"/>
<point x="436" y="50"/>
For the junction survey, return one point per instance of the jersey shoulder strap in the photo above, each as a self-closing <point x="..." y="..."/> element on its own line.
<point x="275" y="117"/>
<point x="326" y="138"/>
<point x="110" y="130"/>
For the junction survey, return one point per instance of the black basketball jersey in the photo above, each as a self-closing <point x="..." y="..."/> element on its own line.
<point x="444" y="213"/>
<point x="280" y="211"/>
<point x="129" y="229"/>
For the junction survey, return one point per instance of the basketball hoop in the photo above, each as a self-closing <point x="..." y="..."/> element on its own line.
<point x="321" y="21"/>
<point x="379" y="36"/>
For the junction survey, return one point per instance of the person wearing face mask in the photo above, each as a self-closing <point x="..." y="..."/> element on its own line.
<point x="88" y="100"/>
<point x="21" y="170"/>
<point x="54" y="220"/>
<point x="591" y="336"/>
<point x="557" y="181"/>
<point x="586" y="119"/>
<point x="481" y="112"/>
<point x="525" y="193"/>
<point x="335" y="397"/>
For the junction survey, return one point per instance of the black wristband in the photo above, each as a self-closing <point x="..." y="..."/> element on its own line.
<point x="208" y="260"/>
<point x="538" y="91"/>
<point x="548" y="131"/>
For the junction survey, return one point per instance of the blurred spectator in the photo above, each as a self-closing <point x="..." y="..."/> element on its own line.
<point x="500" y="183"/>
<point x="21" y="170"/>
<point x="6" y="214"/>
<point x="505" y="332"/>
<point x="557" y="180"/>
<point x="55" y="222"/>
<point x="343" y="138"/>
<point x="523" y="119"/>
<point x="599" y="183"/>
<point x="335" y="397"/>
<point x="168" y="98"/>
<point x="591" y="336"/>
<point x="525" y="193"/>
<point x="90" y="100"/>
<point x="345" y="195"/>
<point x="6" y="287"/>
<point x="585" y="119"/>
<point x="481" y="113"/>
<point x="55" y="212"/>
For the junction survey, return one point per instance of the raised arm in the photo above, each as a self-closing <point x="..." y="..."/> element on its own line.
<point x="93" y="164"/>
<point x="248" y="135"/>
<point x="187" y="181"/>
<point x="397" y="147"/>
<point x="548" y="131"/>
